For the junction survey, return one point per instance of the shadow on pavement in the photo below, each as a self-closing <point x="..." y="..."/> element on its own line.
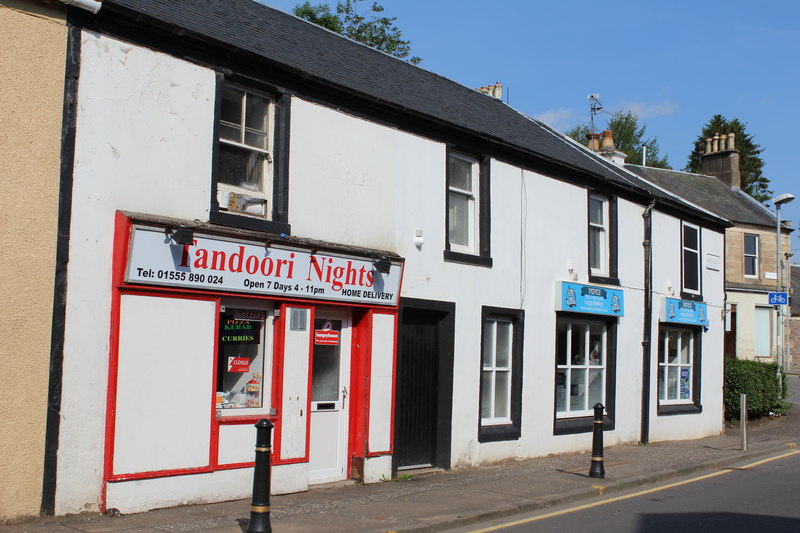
<point x="716" y="522"/>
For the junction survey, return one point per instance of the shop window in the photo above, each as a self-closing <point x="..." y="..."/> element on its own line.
<point x="251" y="157"/>
<point x="602" y="239"/>
<point x="584" y="375"/>
<point x="501" y="375"/>
<point x="467" y="210"/>
<point x="678" y="370"/>
<point x="750" y="255"/>
<point x="690" y="261"/>
<point x="243" y="361"/>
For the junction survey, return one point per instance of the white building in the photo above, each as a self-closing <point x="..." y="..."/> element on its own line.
<point x="268" y="220"/>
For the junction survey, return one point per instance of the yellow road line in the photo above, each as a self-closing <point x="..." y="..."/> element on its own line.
<point x="629" y="496"/>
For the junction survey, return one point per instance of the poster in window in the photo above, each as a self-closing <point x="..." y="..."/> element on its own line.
<point x="240" y="359"/>
<point x="684" y="383"/>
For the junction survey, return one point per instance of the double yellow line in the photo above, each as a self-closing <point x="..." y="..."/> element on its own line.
<point x="629" y="496"/>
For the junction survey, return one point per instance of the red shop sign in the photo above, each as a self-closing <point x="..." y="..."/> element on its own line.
<point x="328" y="337"/>
<point x="238" y="364"/>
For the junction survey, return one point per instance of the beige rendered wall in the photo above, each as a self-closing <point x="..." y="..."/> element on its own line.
<point x="32" y="52"/>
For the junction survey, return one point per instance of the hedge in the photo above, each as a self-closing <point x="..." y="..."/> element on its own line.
<point x="757" y="380"/>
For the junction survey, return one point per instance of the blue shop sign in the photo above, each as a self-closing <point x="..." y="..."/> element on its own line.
<point x="591" y="299"/>
<point x="685" y="312"/>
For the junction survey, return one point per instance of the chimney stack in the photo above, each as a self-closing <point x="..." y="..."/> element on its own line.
<point x="494" y="90"/>
<point x="609" y="150"/>
<point x="721" y="160"/>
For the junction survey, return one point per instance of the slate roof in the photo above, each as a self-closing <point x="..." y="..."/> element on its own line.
<point x="300" y="48"/>
<point x="710" y="193"/>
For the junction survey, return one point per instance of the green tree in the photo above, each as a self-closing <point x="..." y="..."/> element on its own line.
<point x="629" y="138"/>
<point x="750" y="164"/>
<point x="370" y="27"/>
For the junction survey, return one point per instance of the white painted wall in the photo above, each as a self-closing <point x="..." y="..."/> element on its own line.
<point x="144" y="139"/>
<point x="143" y="118"/>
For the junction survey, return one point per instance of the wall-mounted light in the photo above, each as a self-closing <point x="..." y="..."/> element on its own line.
<point x="418" y="239"/>
<point x="573" y="274"/>
<point x="183" y="235"/>
<point x="381" y="264"/>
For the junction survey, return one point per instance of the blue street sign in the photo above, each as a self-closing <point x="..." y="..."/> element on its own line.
<point x="778" y="298"/>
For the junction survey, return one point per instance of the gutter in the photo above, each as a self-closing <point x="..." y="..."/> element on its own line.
<point x="92" y="6"/>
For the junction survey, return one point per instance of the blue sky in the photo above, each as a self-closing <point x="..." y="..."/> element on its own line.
<point x="673" y="63"/>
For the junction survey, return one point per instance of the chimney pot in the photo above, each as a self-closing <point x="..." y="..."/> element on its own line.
<point x="731" y="141"/>
<point x="708" y="145"/>
<point x="608" y="140"/>
<point x="593" y="141"/>
<point x="715" y="144"/>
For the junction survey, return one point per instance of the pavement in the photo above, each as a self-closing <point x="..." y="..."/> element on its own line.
<point x="436" y="500"/>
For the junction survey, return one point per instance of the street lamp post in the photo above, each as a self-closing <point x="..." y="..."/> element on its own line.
<point x="779" y="201"/>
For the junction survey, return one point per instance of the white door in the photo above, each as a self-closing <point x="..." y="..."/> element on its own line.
<point x="330" y="379"/>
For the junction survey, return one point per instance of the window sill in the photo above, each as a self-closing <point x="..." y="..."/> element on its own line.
<point x="251" y="223"/>
<point x="680" y="409"/>
<point x="604" y="280"/>
<point x="468" y="259"/>
<point x="584" y="424"/>
<point x="498" y="433"/>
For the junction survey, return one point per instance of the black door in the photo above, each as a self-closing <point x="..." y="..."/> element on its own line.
<point x="424" y="388"/>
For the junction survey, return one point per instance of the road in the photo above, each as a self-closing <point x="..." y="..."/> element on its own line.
<point x="761" y="497"/>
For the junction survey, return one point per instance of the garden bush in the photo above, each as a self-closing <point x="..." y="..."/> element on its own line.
<point x="757" y="380"/>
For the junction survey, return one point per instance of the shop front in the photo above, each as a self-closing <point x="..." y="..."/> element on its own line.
<point x="214" y="329"/>
<point x="586" y="354"/>
<point x="680" y="334"/>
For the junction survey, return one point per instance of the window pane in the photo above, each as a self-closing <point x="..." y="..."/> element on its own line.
<point x="256" y="113"/>
<point x="749" y="266"/>
<point x="561" y="390"/>
<point x="596" y="247"/>
<point x="325" y="374"/>
<point x="486" y="394"/>
<point x="595" y="386"/>
<point x="685" y="383"/>
<point x="259" y="140"/>
<point x="686" y="345"/>
<point x="672" y="382"/>
<point x="690" y="270"/>
<point x="503" y="351"/>
<point x="561" y="343"/>
<point x="596" y="211"/>
<point x="662" y="385"/>
<point x="750" y="244"/>
<point x="240" y="365"/>
<point x="458" y="218"/>
<point x="502" y="385"/>
<point x="459" y="173"/>
<point x="230" y="132"/>
<point x="578" y="344"/>
<point x="690" y="239"/>
<point x="596" y="344"/>
<point x="488" y="343"/>
<point x="241" y="167"/>
<point x="577" y="390"/>
<point x="672" y="347"/>
<point x="231" y="108"/>
<point x="763" y="331"/>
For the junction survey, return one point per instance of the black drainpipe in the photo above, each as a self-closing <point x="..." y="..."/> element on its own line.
<point x="648" y="318"/>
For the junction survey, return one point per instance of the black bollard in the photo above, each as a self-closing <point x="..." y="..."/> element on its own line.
<point x="597" y="469"/>
<point x="259" y="509"/>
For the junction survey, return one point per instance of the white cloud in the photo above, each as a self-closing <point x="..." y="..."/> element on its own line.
<point x="561" y="119"/>
<point x="645" y="110"/>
